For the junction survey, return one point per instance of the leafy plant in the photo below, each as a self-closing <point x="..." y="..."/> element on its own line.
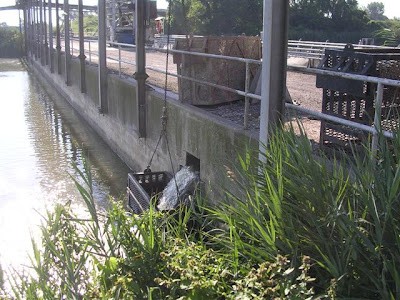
<point x="343" y="214"/>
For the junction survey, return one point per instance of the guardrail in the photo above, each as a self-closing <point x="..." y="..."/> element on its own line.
<point x="381" y="83"/>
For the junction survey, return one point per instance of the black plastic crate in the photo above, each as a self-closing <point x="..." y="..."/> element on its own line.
<point x="354" y="100"/>
<point x="142" y="187"/>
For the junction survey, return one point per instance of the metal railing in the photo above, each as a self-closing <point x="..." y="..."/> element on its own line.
<point x="380" y="82"/>
<point x="316" y="50"/>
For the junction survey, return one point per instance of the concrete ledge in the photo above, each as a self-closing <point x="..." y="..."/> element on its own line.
<point x="192" y="132"/>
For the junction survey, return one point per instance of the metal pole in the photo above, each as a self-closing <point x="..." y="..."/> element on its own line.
<point x="274" y="62"/>
<point x="265" y="77"/>
<point x="26" y="33"/>
<point x="58" y="43"/>
<point x="140" y="74"/>
<point x="38" y="53"/>
<point x="46" y="45"/>
<point x="119" y="60"/>
<point x="32" y="25"/>
<point x="67" y="44"/>
<point x="246" y="99"/>
<point x="113" y="21"/>
<point x="90" y="53"/>
<point x="82" y="55"/>
<point x="41" y="30"/>
<point x="51" y="46"/>
<point x="377" y="119"/>
<point x="28" y="29"/>
<point x="103" y="101"/>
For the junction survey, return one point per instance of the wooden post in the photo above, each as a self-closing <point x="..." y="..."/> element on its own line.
<point x="103" y="99"/>
<point x="140" y="74"/>
<point x="67" y="44"/>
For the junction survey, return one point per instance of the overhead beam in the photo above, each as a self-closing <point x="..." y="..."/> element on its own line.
<point x="71" y="7"/>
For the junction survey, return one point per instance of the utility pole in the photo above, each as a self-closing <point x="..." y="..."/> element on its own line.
<point x="103" y="101"/>
<point x="273" y="89"/>
<point x="140" y="74"/>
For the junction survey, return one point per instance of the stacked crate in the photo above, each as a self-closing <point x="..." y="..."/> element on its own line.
<point x="354" y="100"/>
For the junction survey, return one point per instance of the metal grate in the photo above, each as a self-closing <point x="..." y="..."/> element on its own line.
<point x="142" y="187"/>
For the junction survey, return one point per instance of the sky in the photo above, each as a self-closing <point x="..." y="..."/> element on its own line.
<point x="392" y="8"/>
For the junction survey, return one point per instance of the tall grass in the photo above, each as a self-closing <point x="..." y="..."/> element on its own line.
<point x="302" y="226"/>
<point x="343" y="214"/>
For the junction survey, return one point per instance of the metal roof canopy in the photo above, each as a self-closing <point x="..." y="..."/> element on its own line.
<point x="20" y="4"/>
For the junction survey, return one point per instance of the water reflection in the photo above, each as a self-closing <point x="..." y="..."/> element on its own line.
<point x="40" y="136"/>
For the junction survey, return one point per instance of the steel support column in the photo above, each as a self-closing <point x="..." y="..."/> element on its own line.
<point x="32" y="36"/>
<point x="51" y="46"/>
<point x="37" y="31"/>
<point x="67" y="44"/>
<point x="26" y="34"/>
<point x="82" y="56"/>
<point x="103" y="101"/>
<point x="58" y="42"/>
<point x="140" y="74"/>
<point x="41" y="30"/>
<point x="273" y="88"/>
<point x="46" y="44"/>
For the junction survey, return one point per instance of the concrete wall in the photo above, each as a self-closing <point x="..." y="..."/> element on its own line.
<point x="216" y="142"/>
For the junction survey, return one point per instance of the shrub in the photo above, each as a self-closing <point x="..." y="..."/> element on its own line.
<point x="10" y="43"/>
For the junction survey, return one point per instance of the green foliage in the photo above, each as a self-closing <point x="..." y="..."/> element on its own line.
<point x="90" y="25"/>
<point x="10" y="42"/>
<point x="157" y="256"/>
<point x="301" y="227"/>
<point x="389" y="33"/>
<point x="343" y="214"/>
<point x="216" y="17"/>
<point x="336" y="21"/>
<point x="376" y="11"/>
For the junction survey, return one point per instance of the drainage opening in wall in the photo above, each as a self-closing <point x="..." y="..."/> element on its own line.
<point x="193" y="161"/>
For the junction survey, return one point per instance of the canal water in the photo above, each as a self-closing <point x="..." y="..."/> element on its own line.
<point x="40" y="137"/>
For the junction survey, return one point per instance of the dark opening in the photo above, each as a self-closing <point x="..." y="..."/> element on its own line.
<point x="193" y="161"/>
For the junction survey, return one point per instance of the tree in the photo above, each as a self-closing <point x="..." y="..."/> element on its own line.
<point x="90" y="24"/>
<point x="376" y="11"/>
<point x="216" y="17"/>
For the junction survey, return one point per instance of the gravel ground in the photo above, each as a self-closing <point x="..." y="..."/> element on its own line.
<point x="301" y="87"/>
